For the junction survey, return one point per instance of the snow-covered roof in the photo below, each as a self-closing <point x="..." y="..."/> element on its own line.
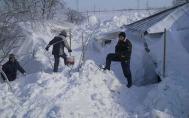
<point x="158" y="22"/>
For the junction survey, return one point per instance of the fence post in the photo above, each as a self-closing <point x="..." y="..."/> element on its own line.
<point x="70" y="38"/>
<point x="83" y="49"/>
<point x="164" y="52"/>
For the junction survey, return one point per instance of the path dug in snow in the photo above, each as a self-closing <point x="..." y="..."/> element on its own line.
<point x="87" y="93"/>
<point x="90" y="93"/>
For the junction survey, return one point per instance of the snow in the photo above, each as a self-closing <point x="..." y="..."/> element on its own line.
<point x="93" y="20"/>
<point x="89" y="92"/>
<point x="170" y="20"/>
<point x="81" y="95"/>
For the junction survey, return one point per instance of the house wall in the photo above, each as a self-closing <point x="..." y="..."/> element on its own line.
<point x="177" y="38"/>
<point x="177" y="24"/>
<point x="142" y="64"/>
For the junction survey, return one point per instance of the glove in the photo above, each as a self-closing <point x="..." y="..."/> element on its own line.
<point x="24" y="74"/>
<point x="70" y="50"/>
<point x="119" y="55"/>
<point x="147" y="50"/>
<point x="47" y="48"/>
<point x="122" y="56"/>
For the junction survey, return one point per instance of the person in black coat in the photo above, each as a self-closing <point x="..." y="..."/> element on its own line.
<point x="59" y="42"/>
<point x="122" y="54"/>
<point x="11" y="67"/>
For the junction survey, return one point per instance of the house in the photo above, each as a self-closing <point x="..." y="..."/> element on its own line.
<point x="149" y="34"/>
<point x="171" y="25"/>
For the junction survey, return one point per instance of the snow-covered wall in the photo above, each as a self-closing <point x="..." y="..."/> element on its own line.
<point x="177" y="39"/>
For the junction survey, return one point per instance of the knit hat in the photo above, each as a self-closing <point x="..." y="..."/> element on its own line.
<point x="11" y="56"/>
<point x="63" y="32"/>
<point x="122" y="34"/>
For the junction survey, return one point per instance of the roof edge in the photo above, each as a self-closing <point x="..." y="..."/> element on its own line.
<point x="157" y="14"/>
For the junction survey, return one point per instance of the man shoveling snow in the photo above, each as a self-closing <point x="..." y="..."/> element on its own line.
<point x="122" y="54"/>
<point x="59" y="42"/>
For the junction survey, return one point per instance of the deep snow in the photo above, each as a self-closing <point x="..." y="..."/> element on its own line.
<point x="89" y="92"/>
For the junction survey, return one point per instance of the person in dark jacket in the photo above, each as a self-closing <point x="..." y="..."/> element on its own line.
<point x="59" y="42"/>
<point x="122" y="54"/>
<point x="11" y="67"/>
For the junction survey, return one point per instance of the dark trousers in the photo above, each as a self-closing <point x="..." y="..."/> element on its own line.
<point x="57" y="60"/>
<point x="10" y="77"/>
<point x="124" y="64"/>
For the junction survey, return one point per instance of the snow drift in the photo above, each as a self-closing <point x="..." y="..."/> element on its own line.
<point x="90" y="92"/>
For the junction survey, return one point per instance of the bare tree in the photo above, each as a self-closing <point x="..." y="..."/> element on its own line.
<point x="10" y="33"/>
<point x="74" y="16"/>
<point x="34" y="9"/>
<point x="13" y="12"/>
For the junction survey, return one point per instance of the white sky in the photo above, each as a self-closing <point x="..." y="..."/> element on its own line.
<point x="115" y="4"/>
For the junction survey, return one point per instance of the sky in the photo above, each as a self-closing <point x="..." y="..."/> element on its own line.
<point x="84" y="5"/>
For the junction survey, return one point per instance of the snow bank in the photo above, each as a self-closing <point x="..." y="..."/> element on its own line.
<point x="93" y="21"/>
<point x="170" y="97"/>
<point x="122" y="20"/>
<point x="90" y="92"/>
<point x="165" y="99"/>
<point x="84" y="94"/>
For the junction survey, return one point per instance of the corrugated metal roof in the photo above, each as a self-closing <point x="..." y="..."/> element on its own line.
<point x="144" y="24"/>
<point x="170" y="20"/>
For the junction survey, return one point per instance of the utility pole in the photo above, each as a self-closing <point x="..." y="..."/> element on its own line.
<point x="138" y="4"/>
<point x="77" y="3"/>
<point x="147" y="5"/>
<point x="94" y="8"/>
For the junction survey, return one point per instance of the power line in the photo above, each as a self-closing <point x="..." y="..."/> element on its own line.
<point x="119" y="10"/>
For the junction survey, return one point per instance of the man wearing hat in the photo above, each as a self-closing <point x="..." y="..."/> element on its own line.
<point x="59" y="42"/>
<point x="11" y="67"/>
<point x="122" y="54"/>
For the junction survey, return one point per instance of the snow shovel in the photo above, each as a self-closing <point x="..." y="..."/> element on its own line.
<point x="70" y="60"/>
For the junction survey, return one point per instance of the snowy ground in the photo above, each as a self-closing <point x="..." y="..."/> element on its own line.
<point x="89" y="92"/>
